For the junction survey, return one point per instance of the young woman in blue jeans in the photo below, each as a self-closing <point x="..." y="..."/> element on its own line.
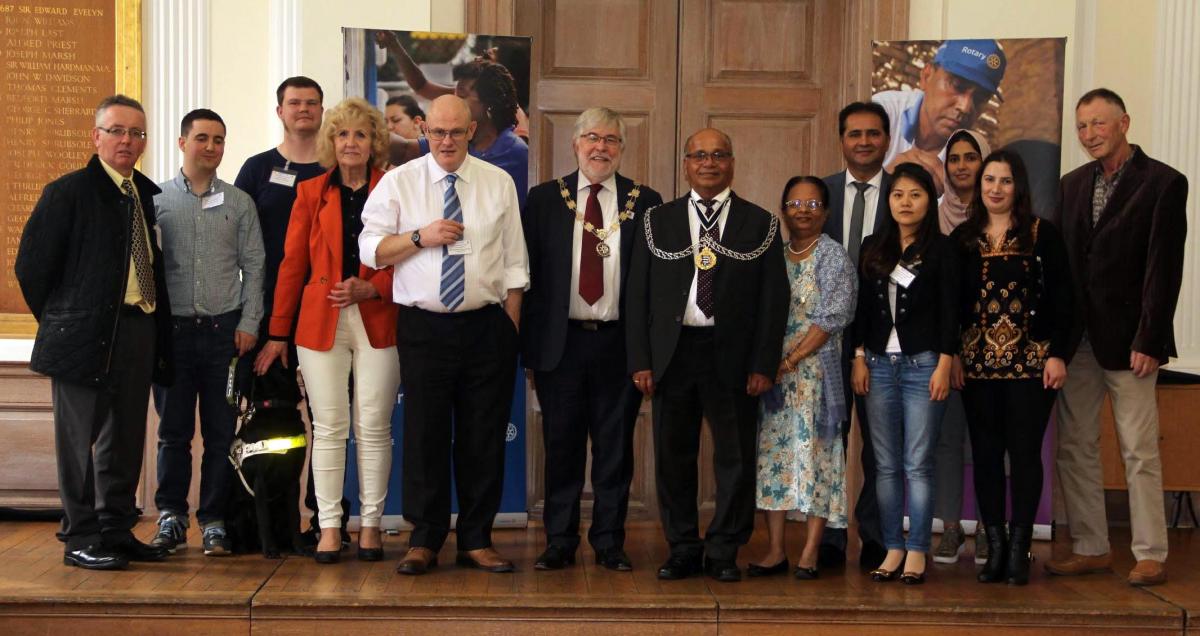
<point x="905" y="334"/>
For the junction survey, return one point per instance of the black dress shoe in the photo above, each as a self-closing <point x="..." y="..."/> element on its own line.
<point x="94" y="557"/>
<point x="680" y="567"/>
<point x="370" y="554"/>
<point x="135" y="550"/>
<point x="556" y="557"/>
<point x="912" y="578"/>
<point x="871" y="556"/>
<point x="805" y="574"/>
<point x="880" y="575"/>
<point x="327" y="557"/>
<point x="829" y="556"/>
<point x="755" y="570"/>
<point x="723" y="571"/>
<point x="614" y="559"/>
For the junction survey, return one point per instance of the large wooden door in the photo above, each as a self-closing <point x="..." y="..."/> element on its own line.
<point x="770" y="73"/>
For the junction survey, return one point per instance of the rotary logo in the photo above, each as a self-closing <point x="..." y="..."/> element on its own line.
<point x="993" y="61"/>
<point x="511" y="433"/>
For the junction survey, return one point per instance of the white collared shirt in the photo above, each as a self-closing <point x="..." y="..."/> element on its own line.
<point x="692" y="316"/>
<point x="872" y="198"/>
<point x="410" y="197"/>
<point x="607" y="307"/>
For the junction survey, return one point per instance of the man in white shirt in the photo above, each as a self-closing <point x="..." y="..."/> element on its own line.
<point x="579" y="230"/>
<point x="451" y="226"/>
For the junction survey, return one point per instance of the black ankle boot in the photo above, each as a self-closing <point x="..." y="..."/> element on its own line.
<point x="993" y="570"/>
<point x="1017" y="572"/>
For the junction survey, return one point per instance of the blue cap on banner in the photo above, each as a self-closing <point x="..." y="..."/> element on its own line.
<point x="979" y="61"/>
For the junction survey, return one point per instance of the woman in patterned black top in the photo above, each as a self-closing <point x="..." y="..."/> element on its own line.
<point x="1016" y="315"/>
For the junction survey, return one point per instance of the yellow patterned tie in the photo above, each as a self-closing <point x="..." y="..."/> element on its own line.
<point x="140" y="248"/>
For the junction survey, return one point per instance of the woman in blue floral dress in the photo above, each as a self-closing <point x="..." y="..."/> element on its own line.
<point x="801" y="463"/>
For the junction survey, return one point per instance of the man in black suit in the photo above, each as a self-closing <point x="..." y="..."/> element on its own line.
<point x="92" y="274"/>
<point x="1124" y="220"/>
<point x="707" y="308"/>
<point x="579" y="234"/>
<point x="857" y="207"/>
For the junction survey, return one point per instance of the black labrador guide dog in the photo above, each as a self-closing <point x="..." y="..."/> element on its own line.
<point x="268" y="455"/>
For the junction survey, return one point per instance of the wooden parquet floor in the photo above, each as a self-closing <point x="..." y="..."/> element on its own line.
<point x="190" y="593"/>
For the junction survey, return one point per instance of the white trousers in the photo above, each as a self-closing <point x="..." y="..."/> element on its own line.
<point x="376" y="382"/>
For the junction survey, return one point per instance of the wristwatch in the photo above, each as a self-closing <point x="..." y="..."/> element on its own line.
<point x="416" y="238"/>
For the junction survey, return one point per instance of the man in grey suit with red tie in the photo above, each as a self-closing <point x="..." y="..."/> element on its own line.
<point x="857" y="207"/>
<point x="579" y="233"/>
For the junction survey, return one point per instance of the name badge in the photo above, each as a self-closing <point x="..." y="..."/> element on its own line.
<point x="460" y="248"/>
<point x="902" y="276"/>
<point x="283" y="177"/>
<point x="212" y="201"/>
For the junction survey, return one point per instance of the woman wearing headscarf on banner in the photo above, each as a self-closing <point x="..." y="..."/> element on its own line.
<point x="905" y="334"/>
<point x="964" y="154"/>
<point x="346" y="324"/>
<point x="801" y="463"/>
<point x="1016" y="316"/>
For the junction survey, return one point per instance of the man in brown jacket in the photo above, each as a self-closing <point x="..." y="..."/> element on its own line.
<point x="1124" y="221"/>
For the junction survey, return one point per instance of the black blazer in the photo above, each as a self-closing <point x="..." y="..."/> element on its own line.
<point x="751" y="296"/>
<point x="73" y="264"/>
<point x="927" y="312"/>
<point x="549" y="230"/>
<point x="836" y="183"/>
<point x="1128" y="268"/>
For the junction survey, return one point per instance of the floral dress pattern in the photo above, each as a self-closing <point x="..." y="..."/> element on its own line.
<point x="798" y="469"/>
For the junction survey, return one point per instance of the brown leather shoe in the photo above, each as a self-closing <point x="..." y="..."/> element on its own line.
<point x="417" y="561"/>
<point x="1148" y="572"/>
<point x="486" y="559"/>
<point x="1080" y="564"/>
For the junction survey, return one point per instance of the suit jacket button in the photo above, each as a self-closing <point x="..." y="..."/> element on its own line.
<point x="678" y="318"/>
<point x="902" y="310"/>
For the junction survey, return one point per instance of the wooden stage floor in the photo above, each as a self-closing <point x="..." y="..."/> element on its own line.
<point x="193" y="594"/>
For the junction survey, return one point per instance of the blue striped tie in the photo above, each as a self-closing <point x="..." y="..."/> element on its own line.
<point x="454" y="272"/>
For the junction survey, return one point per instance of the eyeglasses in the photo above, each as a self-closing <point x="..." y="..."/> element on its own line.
<point x="611" y="141"/>
<point x="719" y="156"/>
<point x="117" y="131"/>
<point x="811" y="205"/>
<point x="438" y="134"/>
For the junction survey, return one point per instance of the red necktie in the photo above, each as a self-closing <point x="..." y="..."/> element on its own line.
<point x="591" y="266"/>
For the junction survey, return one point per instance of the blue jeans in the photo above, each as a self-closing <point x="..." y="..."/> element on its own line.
<point x="203" y="349"/>
<point x="905" y="425"/>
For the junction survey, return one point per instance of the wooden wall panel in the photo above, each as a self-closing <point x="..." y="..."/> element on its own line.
<point x="28" y="475"/>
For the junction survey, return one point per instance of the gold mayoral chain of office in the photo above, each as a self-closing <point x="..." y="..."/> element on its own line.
<point x="704" y="252"/>
<point x="601" y="234"/>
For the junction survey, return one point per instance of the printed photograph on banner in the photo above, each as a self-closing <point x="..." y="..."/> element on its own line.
<point x="401" y="72"/>
<point x="1008" y="92"/>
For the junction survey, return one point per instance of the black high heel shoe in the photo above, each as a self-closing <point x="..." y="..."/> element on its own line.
<point x="756" y="570"/>
<point x="881" y="575"/>
<point x="327" y="557"/>
<point x="914" y="578"/>
<point x="805" y="574"/>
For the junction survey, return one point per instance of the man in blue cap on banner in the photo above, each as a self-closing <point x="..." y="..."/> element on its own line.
<point x="951" y="93"/>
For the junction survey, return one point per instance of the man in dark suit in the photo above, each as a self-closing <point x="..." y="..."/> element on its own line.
<point x="857" y="207"/>
<point x="92" y="274"/>
<point x="579" y="234"/>
<point x="706" y="307"/>
<point x="1124" y="220"/>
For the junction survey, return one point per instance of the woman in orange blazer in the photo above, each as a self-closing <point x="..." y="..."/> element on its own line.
<point x="347" y="322"/>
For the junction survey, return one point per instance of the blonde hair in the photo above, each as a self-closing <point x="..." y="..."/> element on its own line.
<point x="349" y="112"/>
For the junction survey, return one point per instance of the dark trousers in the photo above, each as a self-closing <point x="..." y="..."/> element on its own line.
<point x="459" y="370"/>
<point x="866" y="511"/>
<point x="203" y="350"/>
<point x="591" y="395"/>
<point x="1007" y="416"/>
<point x="689" y="389"/>
<point x="99" y="437"/>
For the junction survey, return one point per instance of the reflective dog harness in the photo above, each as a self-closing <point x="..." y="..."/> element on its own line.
<point x="240" y="451"/>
